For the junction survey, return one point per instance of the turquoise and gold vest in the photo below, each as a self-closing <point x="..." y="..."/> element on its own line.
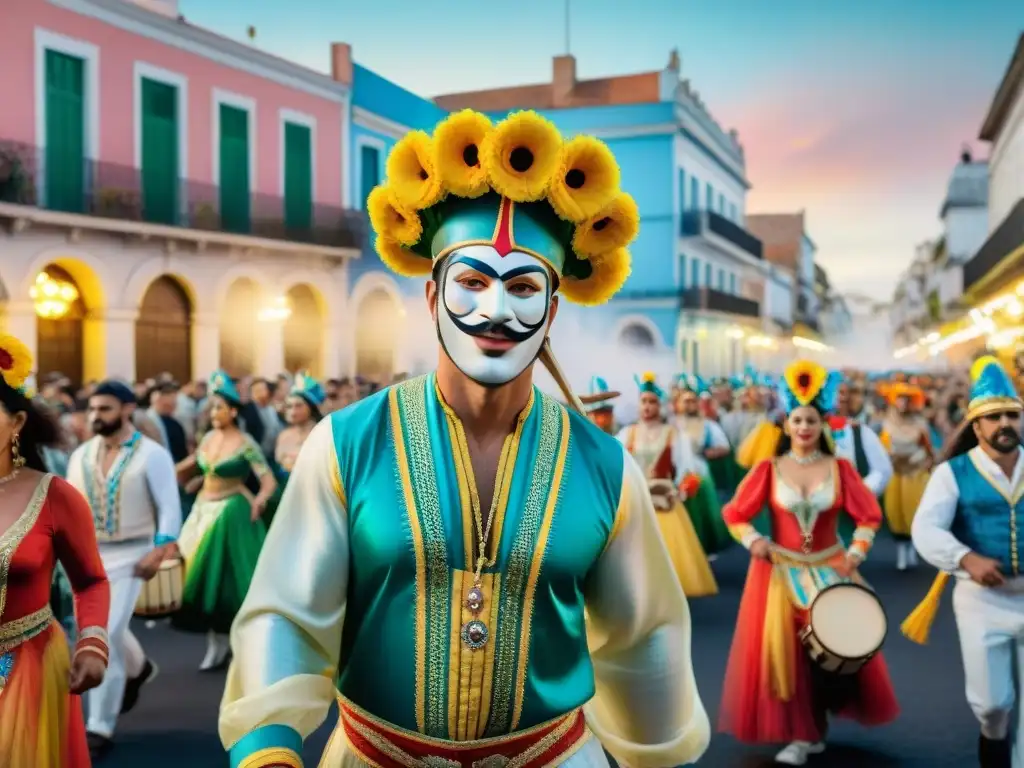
<point x="405" y="471"/>
<point x="986" y="520"/>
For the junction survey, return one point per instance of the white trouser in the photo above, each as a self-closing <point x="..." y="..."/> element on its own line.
<point x="126" y="656"/>
<point x="991" y="626"/>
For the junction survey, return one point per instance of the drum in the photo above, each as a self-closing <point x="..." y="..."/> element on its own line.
<point x="846" y="627"/>
<point x="161" y="595"/>
<point x="663" y="494"/>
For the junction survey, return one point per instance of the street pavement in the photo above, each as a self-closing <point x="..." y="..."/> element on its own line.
<point x="175" y="722"/>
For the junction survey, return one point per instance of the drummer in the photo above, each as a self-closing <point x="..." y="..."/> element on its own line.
<point x="965" y="525"/>
<point x="772" y="692"/>
<point x="131" y="486"/>
<point x="598" y="405"/>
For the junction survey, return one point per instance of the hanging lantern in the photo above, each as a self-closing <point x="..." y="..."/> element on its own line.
<point x="52" y="298"/>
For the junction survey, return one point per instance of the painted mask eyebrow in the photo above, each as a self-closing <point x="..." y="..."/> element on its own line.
<point x="486" y="269"/>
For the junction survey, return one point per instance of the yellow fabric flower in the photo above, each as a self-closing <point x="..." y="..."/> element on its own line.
<point x="614" y="226"/>
<point x="390" y="219"/>
<point x="521" y="156"/>
<point x="805" y="380"/>
<point x="15" y="361"/>
<point x="400" y="259"/>
<point x="587" y="179"/>
<point x="610" y="272"/>
<point x="412" y="175"/>
<point x="457" y="146"/>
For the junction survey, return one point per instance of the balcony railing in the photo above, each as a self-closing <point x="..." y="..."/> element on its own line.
<point x="122" y="192"/>
<point x="696" y="223"/>
<point x="719" y="301"/>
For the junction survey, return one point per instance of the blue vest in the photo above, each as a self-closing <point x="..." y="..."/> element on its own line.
<point x="986" y="520"/>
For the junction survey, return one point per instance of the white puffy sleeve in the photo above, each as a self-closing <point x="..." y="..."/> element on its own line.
<point x="646" y="712"/>
<point x="286" y="638"/>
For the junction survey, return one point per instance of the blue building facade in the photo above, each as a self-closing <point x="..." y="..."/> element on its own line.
<point x="697" y="288"/>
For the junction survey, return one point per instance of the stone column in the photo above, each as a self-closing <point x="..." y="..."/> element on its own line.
<point x="109" y="342"/>
<point x="205" y="345"/>
<point x="19" y="320"/>
<point x="269" y="348"/>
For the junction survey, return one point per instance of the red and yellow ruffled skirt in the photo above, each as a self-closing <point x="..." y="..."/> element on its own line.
<point x="753" y="710"/>
<point x="41" y="724"/>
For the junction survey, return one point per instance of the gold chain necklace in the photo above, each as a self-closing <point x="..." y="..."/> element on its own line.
<point x="475" y="632"/>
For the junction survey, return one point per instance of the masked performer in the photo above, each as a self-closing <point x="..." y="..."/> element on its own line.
<point x="43" y="520"/>
<point x="773" y="692"/>
<point x="597" y="404"/>
<point x="222" y="538"/>
<point x="707" y="442"/>
<point x="672" y="472"/>
<point x="131" y="486"/>
<point x="905" y="434"/>
<point x="453" y="531"/>
<point x="966" y="524"/>
<point x="301" y="412"/>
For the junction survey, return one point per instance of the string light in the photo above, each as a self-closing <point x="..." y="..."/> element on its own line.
<point x="52" y="298"/>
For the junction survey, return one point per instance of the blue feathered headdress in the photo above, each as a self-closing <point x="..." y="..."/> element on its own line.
<point x="806" y="383"/>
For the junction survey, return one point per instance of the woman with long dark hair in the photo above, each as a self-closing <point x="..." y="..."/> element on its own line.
<point x="773" y="693"/>
<point x="223" y="535"/>
<point x="302" y="412"/>
<point x="43" y="521"/>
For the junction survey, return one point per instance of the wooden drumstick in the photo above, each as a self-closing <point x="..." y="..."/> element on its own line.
<point x="547" y="357"/>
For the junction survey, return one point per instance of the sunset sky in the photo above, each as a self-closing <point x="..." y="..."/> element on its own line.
<point x="853" y="110"/>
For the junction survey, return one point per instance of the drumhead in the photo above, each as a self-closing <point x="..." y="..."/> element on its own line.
<point x="849" y="620"/>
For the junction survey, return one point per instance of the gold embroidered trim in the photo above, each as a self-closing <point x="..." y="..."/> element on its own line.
<point x="14" y="633"/>
<point x="428" y="742"/>
<point x="518" y="567"/>
<point x="414" y="431"/>
<point x="14" y="535"/>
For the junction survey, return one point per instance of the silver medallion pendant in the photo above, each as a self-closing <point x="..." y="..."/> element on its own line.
<point x="475" y="600"/>
<point x="474" y="634"/>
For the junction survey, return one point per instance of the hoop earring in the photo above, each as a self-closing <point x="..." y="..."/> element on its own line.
<point x="16" y="458"/>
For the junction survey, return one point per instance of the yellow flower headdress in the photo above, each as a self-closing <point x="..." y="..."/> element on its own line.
<point x="15" y="362"/>
<point x="516" y="186"/>
<point x="806" y="383"/>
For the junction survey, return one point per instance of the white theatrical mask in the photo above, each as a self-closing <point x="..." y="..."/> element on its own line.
<point x="492" y="312"/>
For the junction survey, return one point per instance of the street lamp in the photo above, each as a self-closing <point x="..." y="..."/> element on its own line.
<point x="52" y="298"/>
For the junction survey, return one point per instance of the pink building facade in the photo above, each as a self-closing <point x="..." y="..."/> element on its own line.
<point x="228" y="167"/>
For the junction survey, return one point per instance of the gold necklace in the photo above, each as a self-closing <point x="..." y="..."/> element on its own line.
<point x="475" y="632"/>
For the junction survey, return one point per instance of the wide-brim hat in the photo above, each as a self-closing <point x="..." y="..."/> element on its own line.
<point x="992" y="390"/>
<point x="598" y="401"/>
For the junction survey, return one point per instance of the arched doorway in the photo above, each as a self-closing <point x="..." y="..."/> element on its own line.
<point x="376" y="336"/>
<point x="163" y="332"/>
<point x="239" y="328"/>
<point x="303" y="331"/>
<point x="636" y="336"/>
<point x="60" y="341"/>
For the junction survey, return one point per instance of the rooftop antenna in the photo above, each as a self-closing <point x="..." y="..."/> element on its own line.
<point x="568" y="23"/>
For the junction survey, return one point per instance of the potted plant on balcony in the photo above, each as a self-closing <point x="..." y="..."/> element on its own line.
<point x="205" y="216"/>
<point x="16" y="184"/>
<point x="116" y="203"/>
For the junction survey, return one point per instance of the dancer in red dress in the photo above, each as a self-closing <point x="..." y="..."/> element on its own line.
<point x="773" y="693"/>
<point x="43" y="520"/>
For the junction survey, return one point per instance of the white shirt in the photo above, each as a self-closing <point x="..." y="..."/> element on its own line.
<point x="711" y="436"/>
<point x="935" y="513"/>
<point x="138" y="501"/>
<point x="879" y="464"/>
<point x="648" y="451"/>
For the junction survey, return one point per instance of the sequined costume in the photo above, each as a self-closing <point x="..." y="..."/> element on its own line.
<point x="534" y="638"/>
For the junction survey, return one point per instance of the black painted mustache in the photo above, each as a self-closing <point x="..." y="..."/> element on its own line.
<point x="495" y="329"/>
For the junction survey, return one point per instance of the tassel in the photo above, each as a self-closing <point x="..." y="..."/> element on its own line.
<point x="918" y="624"/>
<point x="547" y="359"/>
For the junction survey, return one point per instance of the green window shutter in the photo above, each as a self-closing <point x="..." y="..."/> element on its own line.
<point x="369" y="164"/>
<point x="65" y="133"/>
<point x="160" y="152"/>
<point x="234" y="169"/>
<point x="298" y="178"/>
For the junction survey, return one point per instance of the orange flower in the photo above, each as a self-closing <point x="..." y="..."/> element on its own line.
<point x="690" y="485"/>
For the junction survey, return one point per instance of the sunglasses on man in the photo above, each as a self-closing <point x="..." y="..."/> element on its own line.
<point x="994" y="417"/>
